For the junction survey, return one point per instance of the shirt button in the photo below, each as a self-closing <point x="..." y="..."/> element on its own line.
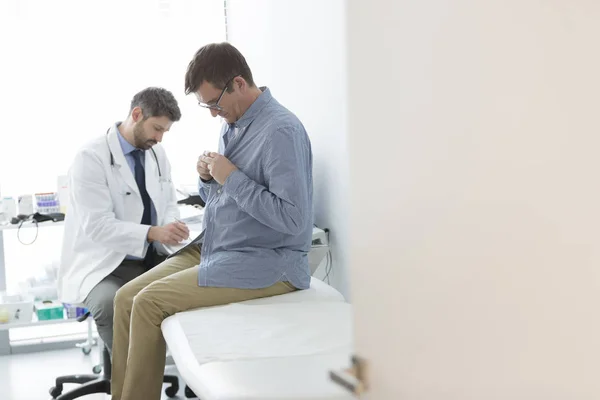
<point x="219" y="191"/>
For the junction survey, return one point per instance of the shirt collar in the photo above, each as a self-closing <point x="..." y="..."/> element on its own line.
<point x="255" y="108"/>
<point x="125" y="145"/>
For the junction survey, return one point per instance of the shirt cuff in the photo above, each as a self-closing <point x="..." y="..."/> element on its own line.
<point x="146" y="247"/>
<point x="147" y="244"/>
<point x="234" y="182"/>
<point x="204" y="184"/>
<point x="147" y="241"/>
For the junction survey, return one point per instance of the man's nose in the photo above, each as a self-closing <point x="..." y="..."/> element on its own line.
<point x="214" y="113"/>
<point x="159" y="137"/>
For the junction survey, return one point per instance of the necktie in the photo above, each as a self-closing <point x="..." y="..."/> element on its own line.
<point x="140" y="179"/>
<point x="229" y="134"/>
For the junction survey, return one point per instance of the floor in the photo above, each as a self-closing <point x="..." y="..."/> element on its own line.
<point x="30" y="376"/>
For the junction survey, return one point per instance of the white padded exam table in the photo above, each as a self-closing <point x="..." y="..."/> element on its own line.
<point x="280" y="347"/>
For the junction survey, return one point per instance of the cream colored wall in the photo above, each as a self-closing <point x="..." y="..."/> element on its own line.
<point x="474" y="134"/>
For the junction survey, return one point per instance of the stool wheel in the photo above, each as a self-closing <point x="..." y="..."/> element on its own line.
<point x="172" y="390"/>
<point x="56" y="391"/>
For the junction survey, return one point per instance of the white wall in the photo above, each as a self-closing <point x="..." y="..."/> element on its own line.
<point x="71" y="68"/>
<point x="475" y="123"/>
<point x="297" y="48"/>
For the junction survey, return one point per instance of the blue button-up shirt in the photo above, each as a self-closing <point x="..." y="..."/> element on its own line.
<point x="127" y="149"/>
<point x="258" y="225"/>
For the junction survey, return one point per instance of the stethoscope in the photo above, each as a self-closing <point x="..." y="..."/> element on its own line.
<point x="112" y="158"/>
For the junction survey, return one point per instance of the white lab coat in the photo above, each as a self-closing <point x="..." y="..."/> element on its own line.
<point x="102" y="223"/>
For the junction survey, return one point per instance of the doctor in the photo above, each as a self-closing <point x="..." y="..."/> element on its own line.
<point x="122" y="208"/>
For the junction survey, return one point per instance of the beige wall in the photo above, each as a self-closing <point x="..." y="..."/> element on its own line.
<point x="474" y="136"/>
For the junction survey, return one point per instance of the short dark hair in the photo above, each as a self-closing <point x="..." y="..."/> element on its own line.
<point x="216" y="63"/>
<point x="156" y="102"/>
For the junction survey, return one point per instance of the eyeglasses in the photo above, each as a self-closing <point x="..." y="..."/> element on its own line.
<point x="215" y="106"/>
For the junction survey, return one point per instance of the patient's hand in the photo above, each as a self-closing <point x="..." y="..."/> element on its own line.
<point x="219" y="166"/>
<point x="172" y="233"/>
<point x="202" y="168"/>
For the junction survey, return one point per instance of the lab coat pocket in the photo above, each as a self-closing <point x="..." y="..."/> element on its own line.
<point x="124" y="201"/>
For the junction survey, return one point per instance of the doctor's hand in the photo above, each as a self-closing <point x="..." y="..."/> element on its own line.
<point x="202" y="168"/>
<point x="219" y="166"/>
<point x="172" y="233"/>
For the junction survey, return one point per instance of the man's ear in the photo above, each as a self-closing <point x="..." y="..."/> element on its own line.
<point x="136" y="114"/>
<point x="240" y="83"/>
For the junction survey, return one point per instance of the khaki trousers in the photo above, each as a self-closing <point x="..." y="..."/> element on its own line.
<point x="139" y="349"/>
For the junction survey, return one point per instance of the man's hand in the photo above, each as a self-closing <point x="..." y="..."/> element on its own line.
<point x="219" y="166"/>
<point x="202" y="168"/>
<point x="172" y="233"/>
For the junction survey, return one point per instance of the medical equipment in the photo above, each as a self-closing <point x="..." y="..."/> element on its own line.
<point x="261" y="331"/>
<point x="25" y="204"/>
<point x="16" y="307"/>
<point x="319" y="248"/>
<point x="62" y="188"/>
<point x="112" y="158"/>
<point x="9" y="208"/>
<point x="47" y="203"/>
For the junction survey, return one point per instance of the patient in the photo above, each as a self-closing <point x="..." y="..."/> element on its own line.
<point x="257" y="223"/>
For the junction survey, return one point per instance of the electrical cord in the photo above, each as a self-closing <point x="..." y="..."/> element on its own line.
<point x="35" y="218"/>
<point x="329" y="264"/>
<point x="19" y="232"/>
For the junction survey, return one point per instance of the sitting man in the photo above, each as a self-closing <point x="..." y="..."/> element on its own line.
<point x="257" y="222"/>
<point x="122" y="208"/>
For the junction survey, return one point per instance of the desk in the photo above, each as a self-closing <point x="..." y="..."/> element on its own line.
<point x="4" y="338"/>
<point x="5" y="346"/>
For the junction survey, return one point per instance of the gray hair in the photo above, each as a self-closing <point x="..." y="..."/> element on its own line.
<point x="156" y="102"/>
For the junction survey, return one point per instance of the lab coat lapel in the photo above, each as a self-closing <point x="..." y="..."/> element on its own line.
<point x="120" y="161"/>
